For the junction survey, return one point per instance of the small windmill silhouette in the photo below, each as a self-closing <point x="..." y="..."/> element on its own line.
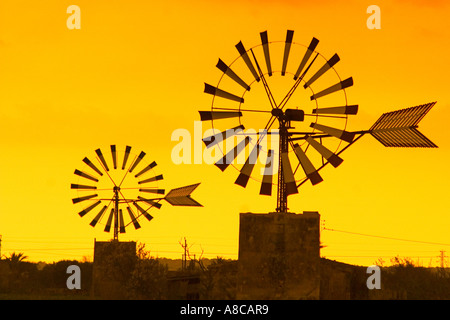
<point x="121" y="185"/>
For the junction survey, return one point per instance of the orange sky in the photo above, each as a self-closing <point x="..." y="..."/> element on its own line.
<point x="134" y="73"/>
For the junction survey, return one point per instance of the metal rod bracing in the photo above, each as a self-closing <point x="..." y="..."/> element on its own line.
<point x="361" y="133"/>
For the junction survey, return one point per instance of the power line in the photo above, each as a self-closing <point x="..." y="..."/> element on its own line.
<point x="389" y="238"/>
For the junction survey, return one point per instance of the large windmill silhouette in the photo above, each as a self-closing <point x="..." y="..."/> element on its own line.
<point x="323" y="136"/>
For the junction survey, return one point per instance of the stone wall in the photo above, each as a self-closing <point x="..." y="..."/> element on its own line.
<point x="113" y="263"/>
<point x="279" y="256"/>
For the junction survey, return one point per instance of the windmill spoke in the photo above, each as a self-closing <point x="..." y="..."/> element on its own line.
<point x="295" y="86"/>
<point x="272" y="101"/>
<point x="126" y="173"/>
<point x="324" y="116"/>
<point x="244" y="110"/>
<point x="107" y="173"/>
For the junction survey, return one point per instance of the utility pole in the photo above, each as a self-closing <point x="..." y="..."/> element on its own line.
<point x="442" y="258"/>
<point x="0" y="247"/>
<point x="184" y="260"/>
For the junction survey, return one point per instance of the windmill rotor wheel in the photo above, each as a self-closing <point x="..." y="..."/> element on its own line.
<point x="117" y="187"/>
<point x="289" y="87"/>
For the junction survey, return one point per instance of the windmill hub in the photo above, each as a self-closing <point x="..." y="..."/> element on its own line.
<point x="116" y="189"/>
<point x="289" y="114"/>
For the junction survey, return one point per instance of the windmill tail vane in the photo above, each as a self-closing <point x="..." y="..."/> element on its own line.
<point x="399" y="128"/>
<point x="393" y="129"/>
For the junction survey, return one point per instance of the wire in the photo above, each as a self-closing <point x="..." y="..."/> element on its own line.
<point x="389" y="238"/>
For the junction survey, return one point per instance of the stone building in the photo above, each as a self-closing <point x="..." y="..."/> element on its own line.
<point x="279" y="256"/>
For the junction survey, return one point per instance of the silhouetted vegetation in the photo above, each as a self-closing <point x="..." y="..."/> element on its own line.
<point x="136" y="276"/>
<point x="142" y="276"/>
<point x="417" y="282"/>
<point x="20" y="279"/>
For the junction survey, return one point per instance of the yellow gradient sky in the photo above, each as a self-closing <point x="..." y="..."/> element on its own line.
<point x="134" y="73"/>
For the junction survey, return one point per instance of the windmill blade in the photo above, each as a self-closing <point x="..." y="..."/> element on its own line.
<point x="147" y="168"/>
<point x="287" y="49"/>
<point x="143" y="211"/>
<point x="98" y="216"/>
<point x="265" y="44"/>
<point x="102" y="159"/>
<point x="155" y="178"/>
<point x="312" y="46"/>
<point x="136" y="162"/>
<point x="80" y="199"/>
<point x="158" y="191"/>
<point x="93" y="167"/>
<point x="288" y="174"/>
<point x="341" y="134"/>
<point x="221" y="93"/>
<point x="109" y="222"/>
<point x="86" y="210"/>
<point x="245" y="57"/>
<point x="215" y="139"/>
<point x="223" y="163"/>
<point x="133" y="218"/>
<point x="121" y="222"/>
<point x="266" y="184"/>
<point x="332" y="158"/>
<point x="151" y="202"/>
<point x="339" y="86"/>
<point x="82" y="187"/>
<point x="182" y="196"/>
<point x="215" y="115"/>
<point x="230" y="73"/>
<point x="247" y="169"/>
<point x="327" y="66"/>
<point x="399" y="128"/>
<point x="309" y="169"/>
<point x="353" y="109"/>
<point x="114" y="156"/>
<point x="125" y="156"/>
<point x="85" y="175"/>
